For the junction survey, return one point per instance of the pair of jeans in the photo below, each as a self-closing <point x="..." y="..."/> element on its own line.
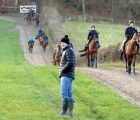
<point x="66" y="87"/>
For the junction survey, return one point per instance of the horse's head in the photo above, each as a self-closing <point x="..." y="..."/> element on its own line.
<point x="94" y="39"/>
<point x="136" y="36"/>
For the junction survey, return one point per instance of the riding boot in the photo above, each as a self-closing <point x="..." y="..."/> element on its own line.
<point x="64" y="106"/>
<point x="122" y="47"/>
<point x="70" y="107"/>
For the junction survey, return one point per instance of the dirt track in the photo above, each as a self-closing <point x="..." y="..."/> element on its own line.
<point x="128" y="86"/>
<point x="38" y="57"/>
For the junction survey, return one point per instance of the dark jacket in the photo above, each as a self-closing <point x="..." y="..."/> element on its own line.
<point x="67" y="64"/>
<point x="91" y="34"/>
<point x="129" y="32"/>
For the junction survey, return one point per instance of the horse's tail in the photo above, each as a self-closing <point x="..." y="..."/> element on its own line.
<point x="82" y="55"/>
<point x="82" y="50"/>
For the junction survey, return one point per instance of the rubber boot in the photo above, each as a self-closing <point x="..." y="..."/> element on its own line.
<point x="70" y="107"/>
<point x="64" y="106"/>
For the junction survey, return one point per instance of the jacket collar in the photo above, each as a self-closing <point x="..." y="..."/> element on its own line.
<point x="66" y="47"/>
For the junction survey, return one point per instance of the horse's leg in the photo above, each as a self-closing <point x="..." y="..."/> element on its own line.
<point x="129" y="65"/>
<point x="92" y="60"/>
<point x="134" y="58"/>
<point x="36" y="24"/>
<point x="88" y="61"/>
<point x="125" y="62"/>
<point x="96" y="62"/>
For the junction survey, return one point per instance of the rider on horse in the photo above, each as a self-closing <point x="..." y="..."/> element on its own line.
<point x="41" y="32"/>
<point x="31" y="39"/>
<point x="45" y="37"/>
<point x="32" y="12"/>
<point x="129" y="32"/>
<point x="37" y="17"/>
<point x="91" y="34"/>
<point x="29" y="13"/>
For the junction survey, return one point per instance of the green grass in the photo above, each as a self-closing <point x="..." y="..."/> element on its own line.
<point x="33" y="92"/>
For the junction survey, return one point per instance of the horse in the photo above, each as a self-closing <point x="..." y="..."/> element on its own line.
<point x="57" y="55"/>
<point x="130" y="52"/>
<point x="91" y="53"/>
<point x="30" y="44"/>
<point x="44" y="44"/>
<point x="40" y="38"/>
<point x="37" y="23"/>
<point x="29" y="20"/>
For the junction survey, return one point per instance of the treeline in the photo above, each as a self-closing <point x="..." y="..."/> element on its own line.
<point x="119" y="9"/>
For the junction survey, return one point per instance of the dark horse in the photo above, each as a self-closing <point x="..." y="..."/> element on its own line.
<point x="29" y="20"/>
<point x="37" y="22"/>
<point x="40" y="38"/>
<point x="130" y="52"/>
<point x="91" y="52"/>
<point x="44" y="45"/>
<point x="57" y="55"/>
<point x="30" y="44"/>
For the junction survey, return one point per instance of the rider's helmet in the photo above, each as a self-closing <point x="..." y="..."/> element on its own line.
<point x="92" y="26"/>
<point x="131" y="21"/>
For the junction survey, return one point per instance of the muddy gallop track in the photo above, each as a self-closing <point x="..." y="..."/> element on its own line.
<point x="128" y="86"/>
<point x="38" y="57"/>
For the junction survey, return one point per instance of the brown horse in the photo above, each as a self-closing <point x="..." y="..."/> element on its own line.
<point x="40" y="38"/>
<point x="29" y="20"/>
<point x="57" y="55"/>
<point x="130" y="52"/>
<point x="30" y="44"/>
<point x="44" y="44"/>
<point x="91" y="53"/>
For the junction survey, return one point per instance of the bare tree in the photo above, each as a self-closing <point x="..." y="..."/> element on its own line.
<point x="16" y="1"/>
<point x="83" y="7"/>
<point x="3" y="2"/>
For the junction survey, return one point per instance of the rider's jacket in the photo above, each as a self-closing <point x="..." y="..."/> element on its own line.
<point x="45" y="37"/>
<point x="37" y="17"/>
<point x="40" y="31"/>
<point x="129" y="32"/>
<point x="31" y="38"/>
<point x="67" y="64"/>
<point x="91" y="34"/>
<point x="29" y="13"/>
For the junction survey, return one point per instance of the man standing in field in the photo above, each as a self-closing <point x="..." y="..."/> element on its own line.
<point x="67" y="75"/>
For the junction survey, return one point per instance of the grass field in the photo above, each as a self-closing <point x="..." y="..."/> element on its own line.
<point x="32" y="93"/>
